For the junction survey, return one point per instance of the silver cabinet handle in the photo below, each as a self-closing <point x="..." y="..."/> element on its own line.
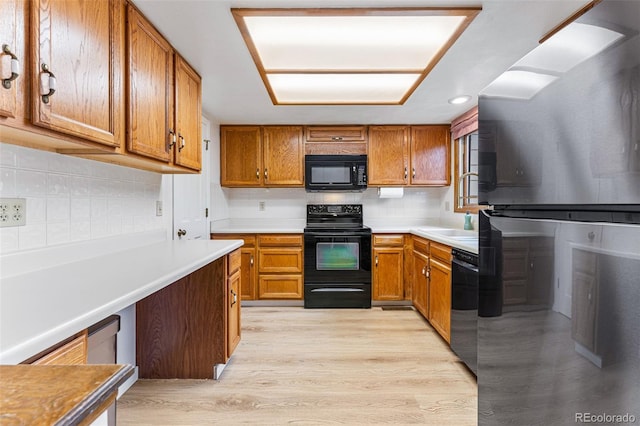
<point x="182" y="142"/>
<point x="413" y="174"/>
<point x="173" y="138"/>
<point x="15" y="67"/>
<point x="376" y="260"/>
<point x="266" y="176"/>
<point x="52" y="84"/>
<point x="235" y="297"/>
<point x="428" y="273"/>
<point x="251" y="261"/>
<point x="424" y="271"/>
<point x="406" y="172"/>
<point x="181" y="233"/>
<point x="258" y="174"/>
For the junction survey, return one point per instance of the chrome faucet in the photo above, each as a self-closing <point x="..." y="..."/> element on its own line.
<point x="467" y="174"/>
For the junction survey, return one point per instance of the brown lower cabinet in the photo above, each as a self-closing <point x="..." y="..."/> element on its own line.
<point x="420" y="291"/>
<point x="190" y="326"/>
<point x="432" y="283"/>
<point x="272" y="263"/>
<point x="440" y="289"/>
<point x="388" y="267"/>
<point x="72" y="351"/>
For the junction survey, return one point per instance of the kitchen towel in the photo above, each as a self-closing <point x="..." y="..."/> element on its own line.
<point x="390" y="192"/>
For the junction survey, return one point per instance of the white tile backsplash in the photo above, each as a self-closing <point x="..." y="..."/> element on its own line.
<point x="72" y="199"/>
<point x="284" y="203"/>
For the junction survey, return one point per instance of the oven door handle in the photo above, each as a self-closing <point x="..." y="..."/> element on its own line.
<point x="465" y="265"/>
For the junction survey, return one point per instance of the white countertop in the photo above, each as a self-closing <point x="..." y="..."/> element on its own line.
<point x="41" y="307"/>
<point x="423" y="228"/>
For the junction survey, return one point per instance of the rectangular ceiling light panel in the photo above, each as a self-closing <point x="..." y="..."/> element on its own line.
<point x="341" y="51"/>
<point x="334" y="89"/>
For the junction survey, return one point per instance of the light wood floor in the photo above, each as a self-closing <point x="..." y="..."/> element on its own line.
<point x="326" y="366"/>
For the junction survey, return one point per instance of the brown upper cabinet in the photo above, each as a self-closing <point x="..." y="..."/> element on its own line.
<point x="336" y="133"/>
<point x="67" y="78"/>
<point x="164" y="117"/>
<point x="65" y="87"/>
<point x="261" y="156"/>
<point x="409" y="155"/>
<point x="77" y="63"/>
<point x="12" y="58"/>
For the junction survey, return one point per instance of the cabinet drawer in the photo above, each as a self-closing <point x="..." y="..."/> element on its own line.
<point x="280" y="287"/>
<point x="440" y="251"/>
<point x="249" y="239"/>
<point x="234" y="261"/>
<point x="336" y="133"/>
<point x="279" y="260"/>
<point x="71" y="353"/>
<point x="280" y="240"/>
<point x="421" y="245"/>
<point x="388" y="240"/>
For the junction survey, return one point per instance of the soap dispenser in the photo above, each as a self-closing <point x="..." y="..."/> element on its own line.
<point x="467" y="222"/>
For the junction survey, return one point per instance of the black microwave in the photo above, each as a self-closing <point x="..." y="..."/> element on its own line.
<point x="339" y="173"/>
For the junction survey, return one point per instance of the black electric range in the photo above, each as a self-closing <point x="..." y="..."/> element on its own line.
<point x="337" y="257"/>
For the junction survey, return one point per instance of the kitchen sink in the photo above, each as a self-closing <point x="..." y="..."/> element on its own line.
<point x="451" y="232"/>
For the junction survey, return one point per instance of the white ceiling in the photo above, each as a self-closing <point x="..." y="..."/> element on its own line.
<point x="206" y="35"/>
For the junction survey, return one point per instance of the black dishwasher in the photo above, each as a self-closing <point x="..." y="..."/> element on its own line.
<point x="464" y="307"/>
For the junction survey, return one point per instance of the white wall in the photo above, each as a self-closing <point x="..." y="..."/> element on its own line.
<point x="72" y="199"/>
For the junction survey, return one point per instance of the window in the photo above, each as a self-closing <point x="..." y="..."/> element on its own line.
<point x="466" y="186"/>
<point x="464" y="131"/>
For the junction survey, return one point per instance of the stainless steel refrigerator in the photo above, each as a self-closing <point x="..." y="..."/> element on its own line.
<point x="559" y="251"/>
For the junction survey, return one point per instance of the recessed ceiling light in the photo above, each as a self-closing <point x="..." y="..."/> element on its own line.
<point x="348" y="56"/>
<point x="460" y="99"/>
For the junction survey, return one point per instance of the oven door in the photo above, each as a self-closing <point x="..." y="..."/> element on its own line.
<point x="337" y="256"/>
<point x="337" y="271"/>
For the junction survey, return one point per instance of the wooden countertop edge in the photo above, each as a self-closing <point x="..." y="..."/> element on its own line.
<point x="96" y="398"/>
<point x="93" y="401"/>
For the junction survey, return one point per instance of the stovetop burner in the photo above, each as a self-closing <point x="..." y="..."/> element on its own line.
<point x="334" y="216"/>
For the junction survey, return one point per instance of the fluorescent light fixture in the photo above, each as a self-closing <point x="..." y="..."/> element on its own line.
<point x="332" y="89"/>
<point x="570" y="46"/>
<point x="516" y="84"/>
<point x="348" y="56"/>
<point x="460" y="99"/>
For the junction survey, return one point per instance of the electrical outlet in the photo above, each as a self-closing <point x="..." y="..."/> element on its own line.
<point x="261" y="206"/>
<point x="13" y="212"/>
<point x="158" y="208"/>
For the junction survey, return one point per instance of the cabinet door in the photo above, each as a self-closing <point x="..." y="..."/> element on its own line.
<point x="336" y="133"/>
<point x="151" y="99"/>
<point x="12" y="33"/>
<point x="280" y="286"/>
<point x="388" y="155"/>
<point x="249" y="274"/>
<point x="419" y="292"/>
<point x="240" y="156"/>
<point x="283" y="156"/>
<point x="82" y="45"/>
<point x="188" y="116"/>
<point x="388" y="279"/>
<point x="233" y="312"/>
<point x="440" y="297"/>
<point x="430" y="155"/>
